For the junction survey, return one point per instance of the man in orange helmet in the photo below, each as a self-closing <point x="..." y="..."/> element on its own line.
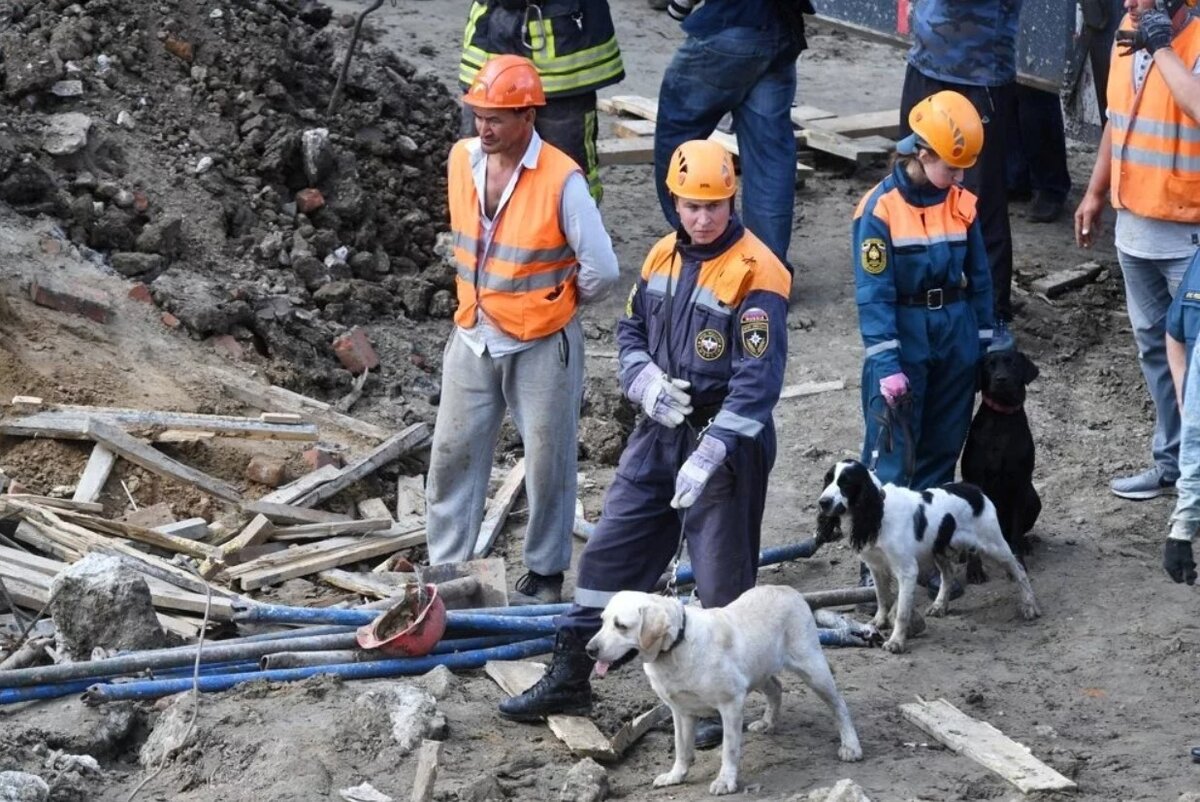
<point x="1148" y="163"/>
<point x="703" y="346"/>
<point x="529" y="246"/>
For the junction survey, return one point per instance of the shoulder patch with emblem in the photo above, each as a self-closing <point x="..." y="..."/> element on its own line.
<point x="710" y="344"/>
<point x="756" y="332"/>
<point x="629" y="300"/>
<point x="873" y="256"/>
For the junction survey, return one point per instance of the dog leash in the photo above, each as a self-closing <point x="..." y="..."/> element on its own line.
<point x="891" y="419"/>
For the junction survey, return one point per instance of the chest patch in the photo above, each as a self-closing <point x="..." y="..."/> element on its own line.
<point x="873" y="257"/>
<point x="756" y="332"/>
<point x="710" y="344"/>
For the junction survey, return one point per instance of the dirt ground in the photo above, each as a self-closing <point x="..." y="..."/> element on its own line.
<point x="1102" y="687"/>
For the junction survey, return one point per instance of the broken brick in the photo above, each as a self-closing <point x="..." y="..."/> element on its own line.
<point x="77" y="300"/>
<point x="268" y="471"/>
<point x="355" y="351"/>
<point x="140" y="202"/>
<point x="228" y="345"/>
<point x="140" y="292"/>
<point x="319" y="456"/>
<point x="170" y="321"/>
<point x="180" y="49"/>
<point x="16" y="488"/>
<point x="309" y="200"/>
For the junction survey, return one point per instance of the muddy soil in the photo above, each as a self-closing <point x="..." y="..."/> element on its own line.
<point x="1102" y="687"/>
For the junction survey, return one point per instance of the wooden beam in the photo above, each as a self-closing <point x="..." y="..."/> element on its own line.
<point x="95" y="474"/>
<point x="986" y="745"/>
<point x="70" y="422"/>
<point x="803" y="115"/>
<point x="142" y="454"/>
<point x="380" y="586"/>
<point x="310" y="531"/>
<point x="427" y="771"/>
<point x="1060" y="281"/>
<point x="499" y="508"/>
<point x="853" y="150"/>
<point x="288" y="514"/>
<point x="411" y="439"/>
<point x="632" y="129"/>
<point x="297" y="488"/>
<point x="883" y="123"/>
<point x="364" y="549"/>
<point x="171" y="543"/>
<point x="625" y="151"/>
<point x="58" y="503"/>
<point x="268" y="396"/>
<point x="257" y="531"/>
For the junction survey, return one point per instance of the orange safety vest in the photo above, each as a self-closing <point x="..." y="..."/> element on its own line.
<point x="1155" y="145"/>
<point x="525" y="283"/>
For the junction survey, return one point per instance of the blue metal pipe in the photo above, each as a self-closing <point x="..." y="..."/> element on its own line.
<point x="456" y="621"/>
<point x="771" y="556"/>
<point x="152" y="689"/>
<point x="54" y="690"/>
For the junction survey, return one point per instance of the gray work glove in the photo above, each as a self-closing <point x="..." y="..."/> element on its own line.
<point x="664" y="399"/>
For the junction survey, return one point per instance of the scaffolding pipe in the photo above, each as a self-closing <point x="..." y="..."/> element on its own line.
<point x="456" y="621"/>
<point x="271" y="662"/>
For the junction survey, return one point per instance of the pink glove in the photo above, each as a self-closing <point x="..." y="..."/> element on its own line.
<point x="894" y="388"/>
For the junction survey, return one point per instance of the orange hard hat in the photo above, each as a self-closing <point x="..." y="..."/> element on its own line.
<point x="701" y="170"/>
<point x="506" y="82"/>
<point x="947" y="123"/>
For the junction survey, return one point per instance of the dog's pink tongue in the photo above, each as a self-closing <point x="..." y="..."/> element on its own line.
<point x="601" y="668"/>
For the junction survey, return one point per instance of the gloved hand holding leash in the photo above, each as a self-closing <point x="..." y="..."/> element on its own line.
<point x="664" y="399"/>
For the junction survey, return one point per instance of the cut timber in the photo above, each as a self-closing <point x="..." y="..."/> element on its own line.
<point x="1061" y="281"/>
<point x="71" y="422"/>
<point x="625" y="129"/>
<point x="499" y="508"/>
<point x="625" y="151"/>
<point x="881" y="123"/>
<point x="803" y="115"/>
<point x="268" y="396"/>
<point x="27" y="403"/>
<point x="288" y="514"/>
<point x="58" y="503"/>
<point x="581" y="736"/>
<point x="413" y="438"/>
<point x="310" y="531"/>
<point x="95" y="474"/>
<point x="192" y="529"/>
<point x="986" y="745"/>
<point x="257" y="531"/>
<point x="636" y="106"/>
<point x="364" y="549"/>
<point x="281" y="417"/>
<point x="853" y="150"/>
<point x="811" y="388"/>
<point x="294" y="490"/>
<point x="383" y="585"/>
<point x="631" y="733"/>
<point x="142" y="454"/>
<point x="150" y="537"/>
<point x="427" y="771"/>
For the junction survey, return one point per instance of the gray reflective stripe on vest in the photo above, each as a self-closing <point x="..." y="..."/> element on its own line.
<point x="703" y="296"/>
<point x="879" y="348"/>
<point x="657" y="283"/>
<point x="593" y="598"/>
<point x="536" y="281"/>
<point x="985" y="334"/>
<point x="900" y="242"/>
<point x="467" y="243"/>
<point x="1140" y="125"/>
<point x="632" y="359"/>
<point x="514" y="253"/>
<point x="733" y="422"/>
<point x="1153" y="158"/>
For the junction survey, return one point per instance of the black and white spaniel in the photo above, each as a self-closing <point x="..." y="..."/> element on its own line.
<point x="898" y="531"/>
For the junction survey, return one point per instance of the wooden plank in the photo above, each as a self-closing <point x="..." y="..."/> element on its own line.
<point x="297" y="488"/>
<point x="70" y="421"/>
<point x="374" y="508"/>
<point x="281" y="417"/>
<point x="411" y="439"/>
<point x="811" y="388"/>
<point x="843" y="147"/>
<point x="884" y="123"/>
<point x="288" y="514"/>
<point x="364" y="549"/>
<point x="171" y="543"/>
<point x="310" y="531"/>
<point x="803" y="115"/>
<point x="268" y="396"/>
<point x="58" y="503"/>
<point x="31" y="534"/>
<point x="986" y="745"/>
<point x="499" y="507"/>
<point x="625" y="151"/>
<point x="581" y="736"/>
<point x="142" y="454"/>
<point x="27" y="402"/>
<point x="380" y="586"/>
<point x="636" y="106"/>
<point x="191" y="528"/>
<point x="1061" y="281"/>
<point x="427" y="771"/>
<point x="257" y="531"/>
<point x="95" y="474"/>
<point x="627" y="129"/>
<point x="410" y="501"/>
<point x="290" y="554"/>
<point x="632" y="732"/>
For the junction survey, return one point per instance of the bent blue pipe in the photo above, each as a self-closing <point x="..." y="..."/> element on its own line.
<point x="152" y="689"/>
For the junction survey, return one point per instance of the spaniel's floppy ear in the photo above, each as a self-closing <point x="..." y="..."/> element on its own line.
<point x="652" y="632"/>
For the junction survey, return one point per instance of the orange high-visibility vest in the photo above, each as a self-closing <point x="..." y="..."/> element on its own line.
<point x="525" y="283"/>
<point x="1155" y="145"/>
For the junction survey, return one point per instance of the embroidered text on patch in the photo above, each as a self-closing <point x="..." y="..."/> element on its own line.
<point x="710" y="344"/>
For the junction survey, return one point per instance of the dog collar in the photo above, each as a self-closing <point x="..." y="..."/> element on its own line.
<point x="682" y="628"/>
<point x="1001" y="408"/>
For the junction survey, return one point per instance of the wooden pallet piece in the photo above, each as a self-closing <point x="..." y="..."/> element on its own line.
<point x="289" y="514"/>
<point x="843" y="147"/>
<point x="95" y="474"/>
<point x="71" y="422"/>
<point x="311" y="531"/>
<point x="883" y="123"/>
<point x="269" y="396"/>
<point x="499" y="508"/>
<point x="986" y="745"/>
<point x="625" y="151"/>
<point x="361" y="549"/>
<point x="140" y="453"/>
<point x="581" y="736"/>
<point x="411" y="439"/>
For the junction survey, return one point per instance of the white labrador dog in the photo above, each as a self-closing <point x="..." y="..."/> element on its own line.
<point x="702" y="660"/>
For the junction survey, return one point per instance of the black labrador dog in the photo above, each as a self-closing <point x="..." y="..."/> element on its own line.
<point x="999" y="454"/>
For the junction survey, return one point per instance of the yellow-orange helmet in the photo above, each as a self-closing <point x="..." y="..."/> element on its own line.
<point x="701" y="170"/>
<point x="506" y="82"/>
<point x="948" y="124"/>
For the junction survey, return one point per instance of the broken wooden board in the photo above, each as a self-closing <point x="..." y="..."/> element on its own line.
<point x="382" y="585"/>
<point x="499" y="507"/>
<point x="632" y="732"/>
<point x="95" y="474"/>
<point x="191" y="528"/>
<point x="1061" y="281"/>
<point x="374" y="508"/>
<point x="633" y="128"/>
<point x="870" y="123"/>
<point x="625" y="151"/>
<point x="410" y="500"/>
<point x="71" y="422"/>
<point x="255" y="532"/>
<point x="289" y="514"/>
<point x="811" y="388"/>
<point x="803" y="115"/>
<point x="268" y="396"/>
<point x="986" y="745"/>
<point x="312" y="531"/>
<point x="327" y="554"/>
<point x="120" y="529"/>
<point x="58" y="503"/>
<point x="411" y="439"/>
<point x="858" y="151"/>
<point x="297" y="488"/>
<point x="142" y="454"/>
<point x="581" y="736"/>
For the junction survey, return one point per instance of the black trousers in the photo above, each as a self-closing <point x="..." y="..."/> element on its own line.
<point x="987" y="179"/>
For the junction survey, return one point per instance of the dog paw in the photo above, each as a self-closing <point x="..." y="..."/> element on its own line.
<point x="762" y="725"/>
<point x="850" y="753"/>
<point x="894" y="646"/>
<point x="1029" y="610"/>
<point x="668" y="778"/>
<point x="936" y="610"/>
<point x="723" y="785"/>
<point x="880" y="621"/>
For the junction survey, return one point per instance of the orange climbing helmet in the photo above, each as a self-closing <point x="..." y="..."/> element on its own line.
<point x="506" y="82"/>
<point x="701" y="170"/>
<point x="948" y="124"/>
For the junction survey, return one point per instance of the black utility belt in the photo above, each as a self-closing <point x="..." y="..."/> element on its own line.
<point x="701" y="416"/>
<point x="935" y="298"/>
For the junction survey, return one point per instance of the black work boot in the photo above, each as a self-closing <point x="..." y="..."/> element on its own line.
<point x="535" y="588"/>
<point x="564" y="688"/>
<point x="710" y="732"/>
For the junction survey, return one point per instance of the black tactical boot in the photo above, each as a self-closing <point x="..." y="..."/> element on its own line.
<point x="563" y="689"/>
<point x="535" y="588"/>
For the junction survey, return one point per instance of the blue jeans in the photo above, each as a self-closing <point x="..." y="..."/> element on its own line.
<point x="750" y="72"/>
<point x="1185" y="520"/>
<point x="1149" y="286"/>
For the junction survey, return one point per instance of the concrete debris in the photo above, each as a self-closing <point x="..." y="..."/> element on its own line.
<point x="101" y="602"/>
<point x="587" y="781"/>
<point x="844" y="790"/>
<point x="364" y="793"/>
<point x="400" y="715"/>
<point x="18" y="786"/>
<point x="439" y="682"/>
<point x="168" y="735"/>
<point x="66" y="133"/>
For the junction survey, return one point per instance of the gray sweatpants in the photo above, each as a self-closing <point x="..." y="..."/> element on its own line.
<point x="542" y="387"/>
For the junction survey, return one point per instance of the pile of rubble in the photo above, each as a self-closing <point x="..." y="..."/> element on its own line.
<point x="187" y="144"/>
